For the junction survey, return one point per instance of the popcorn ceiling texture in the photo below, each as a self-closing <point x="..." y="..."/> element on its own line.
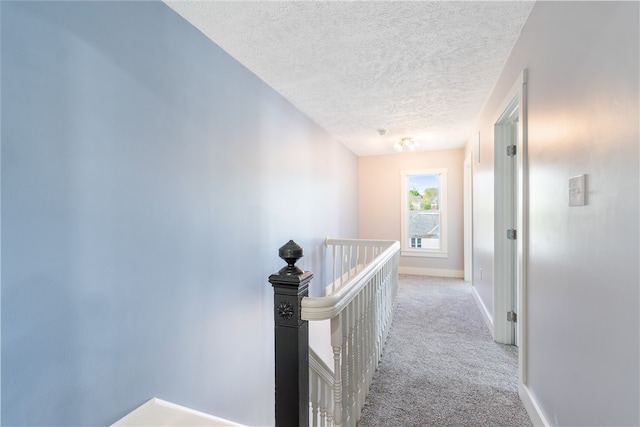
<point x="418" y="69"/>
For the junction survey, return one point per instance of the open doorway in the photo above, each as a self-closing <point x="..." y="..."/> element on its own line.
<point x="506" y="231"/>
<point x="510" y="227"/>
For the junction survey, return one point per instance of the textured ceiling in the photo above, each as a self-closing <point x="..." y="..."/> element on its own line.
<point x="417" y="69"/>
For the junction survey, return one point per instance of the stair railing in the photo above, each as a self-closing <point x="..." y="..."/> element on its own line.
<point x="359" y="303"/>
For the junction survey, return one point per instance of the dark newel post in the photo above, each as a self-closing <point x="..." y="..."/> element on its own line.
<point x="290" y="285"/>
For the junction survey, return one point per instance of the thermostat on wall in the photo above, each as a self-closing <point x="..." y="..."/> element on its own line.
<point x="577" y="191"/>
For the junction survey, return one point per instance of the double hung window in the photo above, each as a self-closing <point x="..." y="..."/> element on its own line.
<point x="423" y="210"/>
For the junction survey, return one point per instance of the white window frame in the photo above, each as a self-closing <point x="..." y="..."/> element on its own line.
<point x="406" y="249"/>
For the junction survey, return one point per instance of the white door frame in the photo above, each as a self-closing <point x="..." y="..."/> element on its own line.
<point x="468" y="218"/>
<point x="505" y="135"/>
<point x="503" y="292"/>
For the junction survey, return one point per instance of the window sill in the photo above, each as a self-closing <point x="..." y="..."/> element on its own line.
<point x="424" y="253"/>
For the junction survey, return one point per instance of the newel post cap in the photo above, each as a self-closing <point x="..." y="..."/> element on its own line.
<point x="290" y="252"/>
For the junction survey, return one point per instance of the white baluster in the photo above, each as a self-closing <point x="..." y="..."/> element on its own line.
<point x="336" y="344"/>
<point x="313" y="396"/>
<point x="347" y="359"/>
<point x="333" y="283"/>
<point x="354" y="360"/>
<point x="352" y="260"/>
<point x="330" y="406"/>
<point x="357" y="353"/>
<point x="370" y="325"/>
<point x="366" y="252"/>
<point x="362" y="355"/>
<point x="342" y="257"/>
<point x="323" y="403"/>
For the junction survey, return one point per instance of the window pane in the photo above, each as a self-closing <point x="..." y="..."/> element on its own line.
<point x="424" y="213"/>
<point x="424" y="210"/>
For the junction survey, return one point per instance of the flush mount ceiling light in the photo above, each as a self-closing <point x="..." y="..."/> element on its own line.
<point x="405" y="144"/>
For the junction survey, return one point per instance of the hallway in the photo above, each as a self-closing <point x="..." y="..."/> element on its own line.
<point x="440" y="366"/>
<point x="149" y="177"/>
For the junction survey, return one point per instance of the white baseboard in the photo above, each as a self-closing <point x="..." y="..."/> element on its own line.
<point x="532" y="407"/>
<point x="458" y="274"/>
<point x="156" y="412"/>
<point x="486" y="315"/>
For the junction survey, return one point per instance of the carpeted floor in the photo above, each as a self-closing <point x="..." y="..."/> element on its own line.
<point x="440" y="366"/>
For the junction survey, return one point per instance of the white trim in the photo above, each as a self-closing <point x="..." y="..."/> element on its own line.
<point x="424" y="253"/>
<point x="523" y="225"/>
<point x="486" y="314"/>
<point x="519" y="91"/>
<point x="504" y="218"/>
<point x="319" y="366"/>
<point x="418" y="271"/>
<point x="468" y="217"/>
<point x="505" y="133"/>
<point x="533" y="408"/>
<point x="157" y="412"/>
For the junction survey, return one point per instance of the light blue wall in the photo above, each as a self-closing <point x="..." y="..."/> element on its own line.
<point x="148" y="180"/>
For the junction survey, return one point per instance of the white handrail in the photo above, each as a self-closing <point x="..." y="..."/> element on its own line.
<point x="358" y="242"/>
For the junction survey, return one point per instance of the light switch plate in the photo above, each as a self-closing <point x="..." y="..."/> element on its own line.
<point x="577" y="191"/>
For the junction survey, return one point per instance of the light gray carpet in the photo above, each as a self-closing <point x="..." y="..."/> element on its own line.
<point x="440" y="366"/>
